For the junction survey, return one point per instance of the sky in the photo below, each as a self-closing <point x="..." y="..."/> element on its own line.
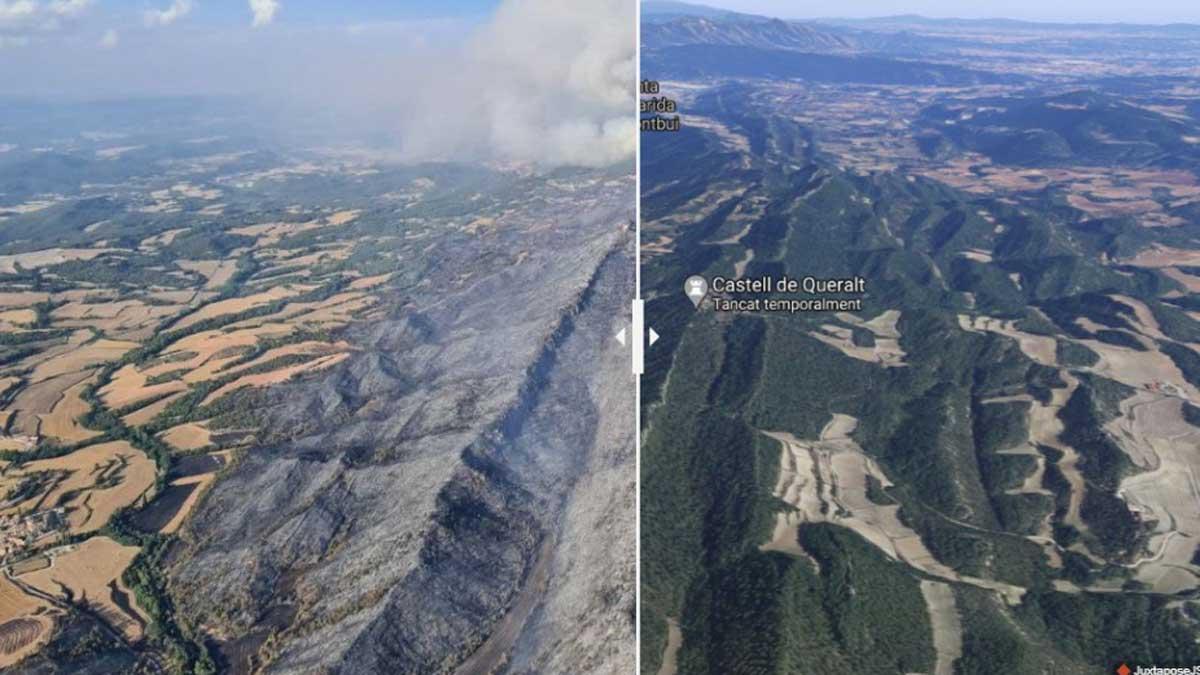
<point x="87" y="49"/>
<point x="548" y="81"/>
<point x="112" y="48"/>
<point x="32" y="32"/>
<point x="1141" y="11"/>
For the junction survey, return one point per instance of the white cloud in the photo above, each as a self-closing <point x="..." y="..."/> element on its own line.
<point x="264" y="11"/>
<point x="165" y="17"/>
<point x="110" y="39"/>
<point x="17" y="12"/>
<point x="69" y="8"/>
<point x="23" y="21"/>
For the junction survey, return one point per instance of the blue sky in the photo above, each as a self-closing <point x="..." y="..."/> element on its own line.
<point x="548" y="81"/>
<point x="326" y="12"/>
<point x="88" y="49"/>
<point x="116" y="48"/>
<point x="1141" y="11"/>
<point x="25" y="22"/>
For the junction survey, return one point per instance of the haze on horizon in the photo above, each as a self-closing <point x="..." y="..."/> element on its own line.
<point x="1065" y="11"/>
<point x="522" y="80"/>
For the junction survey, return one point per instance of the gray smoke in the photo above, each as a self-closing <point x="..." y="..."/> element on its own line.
<point x="545" y="81"/>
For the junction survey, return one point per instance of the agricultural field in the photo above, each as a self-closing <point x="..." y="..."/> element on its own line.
<point x="1007" y="433"/>
<point x="28" y="623"/>
<point x="180" y="308"/>
<point x="90" y="573"/>
<point x="133" y="348"/>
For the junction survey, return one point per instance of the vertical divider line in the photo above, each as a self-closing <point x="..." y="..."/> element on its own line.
<point x="637" y="378"/>
<point x="638" y="341"/>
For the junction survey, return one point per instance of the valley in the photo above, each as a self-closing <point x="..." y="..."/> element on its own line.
<point x="1005" y="434"/>
<point x="257" y="398"/>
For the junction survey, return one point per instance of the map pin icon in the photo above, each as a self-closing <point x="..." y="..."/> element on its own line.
<point x="696" y="288"/>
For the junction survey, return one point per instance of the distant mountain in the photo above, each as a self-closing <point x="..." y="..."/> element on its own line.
<point x="753" y="32"/>
<point x="1078" y="127"/>
<point x="697" y="61"/>
<point x="661" y="10"/>
<point x="657" y="10"/>
<point x="667" y="24"/>
<point x="918" y="22"/>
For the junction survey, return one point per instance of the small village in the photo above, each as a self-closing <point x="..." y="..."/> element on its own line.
<point x="19" y="533"/>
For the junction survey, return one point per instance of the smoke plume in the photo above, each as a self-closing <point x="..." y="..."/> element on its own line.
<point x="544" y="81"/>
